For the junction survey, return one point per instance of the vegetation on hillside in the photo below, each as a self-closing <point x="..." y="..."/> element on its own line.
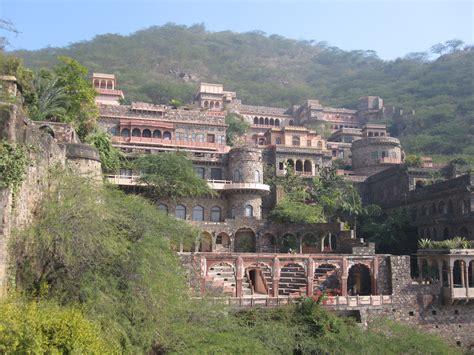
<point x="163" y="63"/>
<point x="236" y="129"/>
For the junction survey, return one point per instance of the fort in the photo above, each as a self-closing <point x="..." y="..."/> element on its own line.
<point x="255" y="262"/>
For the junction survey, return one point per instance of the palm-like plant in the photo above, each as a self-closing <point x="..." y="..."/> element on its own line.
<point x="51" y="101"/>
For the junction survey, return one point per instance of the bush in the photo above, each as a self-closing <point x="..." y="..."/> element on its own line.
<point x="45" y="327"/>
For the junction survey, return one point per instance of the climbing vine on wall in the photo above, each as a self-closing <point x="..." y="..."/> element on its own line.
<point x="14" y="159"/>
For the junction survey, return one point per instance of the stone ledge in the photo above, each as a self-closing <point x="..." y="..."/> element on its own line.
<point x="81" y="151"/>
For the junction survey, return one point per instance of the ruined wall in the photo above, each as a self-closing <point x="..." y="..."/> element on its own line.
<point x="46" y="154"/>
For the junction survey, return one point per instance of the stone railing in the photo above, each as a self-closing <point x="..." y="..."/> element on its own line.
<point x="225" y="185"/>
<point x="329" y="302"/>
<point x="124" y="180"/>
<point x="168" y="143"/>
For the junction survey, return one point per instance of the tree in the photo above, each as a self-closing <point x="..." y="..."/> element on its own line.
<point x="170" y="175"/>
<point x="291" y="211"/>
<point x="454" y="44"/>
<point x="83" y="112"/>
<point x="109" y="155"/>
<point x="237" y="128"/>
<point x="48" y="101"/>
<point x="6" y="25"/>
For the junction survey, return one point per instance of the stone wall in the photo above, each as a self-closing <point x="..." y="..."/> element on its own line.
<point x="46" y="154"/>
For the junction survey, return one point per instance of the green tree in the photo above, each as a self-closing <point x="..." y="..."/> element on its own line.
<point x="82" y="112"/>
<point x="109" y="155"/>
<point x="170" y="175"/>
<point x="236" y="129"/>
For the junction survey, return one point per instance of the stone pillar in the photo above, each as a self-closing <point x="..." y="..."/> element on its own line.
<point x="420" y="269"/>
<point x="276" y="276"/>
<point x="232" y="242"/>
<point x="466" y="278"/>
<point x="375" y="273"/>
<point x="300" y="243"/>
<point x="239" y="275"/>
<point x="450" y="279"/>
<point x="203" y="265"/>
<point x="310" y="277"/>
<point x="344" y="277"/>
<point x="440" y="272"/>
<point x="213" y="241"/>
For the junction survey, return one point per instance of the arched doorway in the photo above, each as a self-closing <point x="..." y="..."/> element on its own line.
<point x="459" y="274"/>
<point x="205" y="242"/>
<point x="310" y="244"/>
<point x="268" y="243"/>
<point x="222" y="242"/>
<point x="259" y="279"/>
<point x="289" y="244"/>
<point x="359" y="281"/>
<point x="244" y="241"/>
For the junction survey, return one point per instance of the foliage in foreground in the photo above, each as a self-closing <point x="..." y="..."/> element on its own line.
<point x="107" y="254"/>
<point x="237" y="128"/>
<point x="14" y="160"/>
<point x="47" y="328"/>
<point x="109" y="155"/>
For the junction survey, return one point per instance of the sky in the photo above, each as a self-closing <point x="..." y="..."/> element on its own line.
<point x="391" y="28"/>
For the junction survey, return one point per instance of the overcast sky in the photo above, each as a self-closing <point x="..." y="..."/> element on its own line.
<point x="391" y="28"/>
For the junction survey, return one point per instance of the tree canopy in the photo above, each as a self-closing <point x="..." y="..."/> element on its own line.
<point x="170" y="175"/>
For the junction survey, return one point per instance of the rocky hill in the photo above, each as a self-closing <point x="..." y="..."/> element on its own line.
<point x="161" y="63"/>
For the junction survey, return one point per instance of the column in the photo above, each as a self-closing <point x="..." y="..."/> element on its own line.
<point x="375" y="273"/>
<point x="239" y="275"/>
<point x="300" y="243"/>
<point x="344" y="277"/>
<point x="466" y="277"/>
<point x="450" y="278"/>
<point x="440" y="271"/>
<point x="309" y="277"/>
<point x="275" y="276"/>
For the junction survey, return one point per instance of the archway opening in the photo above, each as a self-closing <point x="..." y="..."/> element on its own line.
<point x="257" y="281"/>
<point x="359" y="281"/>
<point x="268" y="243"/>
<point x="205" y="242"/>
<point x="307" y="167"/>
<point x="222" y="242"/>
<point x="289" y="244"/>
<point x="244" y="241"/>
<point x="459" y="274"/>
<point x="310" y="244"/>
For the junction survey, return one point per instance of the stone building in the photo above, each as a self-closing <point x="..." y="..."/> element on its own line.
<point x="240" y="253"/>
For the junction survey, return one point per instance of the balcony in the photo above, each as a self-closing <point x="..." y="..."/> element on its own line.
<point x="227" y="185"/>
<point x="173" y="143"/>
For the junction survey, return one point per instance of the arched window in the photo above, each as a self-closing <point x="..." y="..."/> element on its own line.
<point x="198" y="213"/>
<point x="233" y="212"/>
<point x="166" y="135"/>
<point x="109" y="85"/>
<point x="248" y="211"/>
<point x="217" y="104"/>
<point x="136" y="132"/>
<point x="307" y="166"/>
<point x="255" y="120"/>
<point x="200" y="171"/>
<point x="257" y="176"/>
<point x="146" y="133"/>
<point x="156" y="133"/>
<point x="261" y="121"/>
<point x="299" y="165"/>
<point x="291" y="123"/>
<point x="113" y="131"/>
<point x="215" y="214"/>
<point x="96" y="83"/>
<point x="296" y="140"/>
<point x="266" y="121"/>
<point x="206" y="104"/>
<point x="278" y="141"/>
<point x="125" y="133"/>
<point x="211" y="105"/>
<point x="277" y="122"/>
<point x="272" y="122"/>
<point x="163" y="208"/>
<point x="180" y="212"/>
<point x="237" y="176"/>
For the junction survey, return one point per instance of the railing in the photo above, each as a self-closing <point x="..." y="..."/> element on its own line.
<point x="330" y="302"/>
<point x="124" y="180"/>
<point x="388" y="160"/>
<point x="168" y="142"/>
<point x="230" y="185"/>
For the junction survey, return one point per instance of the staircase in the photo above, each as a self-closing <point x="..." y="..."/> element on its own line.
<point x="322" y="277"/>
<point x="267" y="274"/>
<point x="221" y="279"/>
<point x="292" y="280"/>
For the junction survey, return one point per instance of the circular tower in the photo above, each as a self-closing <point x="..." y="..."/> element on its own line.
<point x="375" y="151"/>
<point x="244" y="192"/>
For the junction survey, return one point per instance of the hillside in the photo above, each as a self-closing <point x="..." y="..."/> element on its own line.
<point x="160" y="63"/>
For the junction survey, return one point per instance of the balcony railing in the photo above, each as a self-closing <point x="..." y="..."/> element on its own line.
<point x="169" y="143"/>
<point x="222" y="185"/>
<point x="125" y="180"/>
<point x="388" y="160"/>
